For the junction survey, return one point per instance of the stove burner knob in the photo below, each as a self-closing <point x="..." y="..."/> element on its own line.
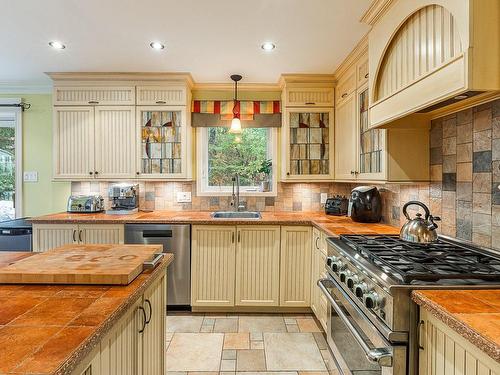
<point x="372" y="300"/>
<point x="331" y="260"/>
<point x="360" y="289"/>
<point x="352" y="280"/>
<point x="337" y="266"/>
<point x="344" y="274"/>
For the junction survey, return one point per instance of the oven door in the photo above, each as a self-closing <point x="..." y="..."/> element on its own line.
<point x="357" y="345"/>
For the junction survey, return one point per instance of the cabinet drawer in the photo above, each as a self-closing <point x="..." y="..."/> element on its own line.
<point x="346" y="85"/>
<point x="161" y="95"/>
<point x="362" y="71"/>
<point x="94" y="95"/>
<point x="309" y="96"/>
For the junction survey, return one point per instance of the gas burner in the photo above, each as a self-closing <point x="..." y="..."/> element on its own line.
<point x="431" y="262"/>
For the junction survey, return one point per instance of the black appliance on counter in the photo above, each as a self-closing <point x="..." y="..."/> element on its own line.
<point x="16" y="235"/>
<point x="336" y="206"/>
<point x="365" y="205"/>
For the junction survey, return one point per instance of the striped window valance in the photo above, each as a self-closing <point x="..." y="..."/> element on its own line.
<point x="253" y="114"/>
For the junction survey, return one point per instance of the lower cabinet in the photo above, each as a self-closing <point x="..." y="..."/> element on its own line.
<point x="250" y="265"/>
<point x="49" y="236"/>
<point x="295" y="266"/>
<point x="318" y="300"/>
<point x="444" y="352"/>
<point x="136" y="343"/>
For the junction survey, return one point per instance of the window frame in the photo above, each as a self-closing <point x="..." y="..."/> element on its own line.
<point x="15" y="114"/>
<point x="202" y="168"/>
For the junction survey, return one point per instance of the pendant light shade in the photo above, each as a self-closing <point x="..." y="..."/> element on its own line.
<point x="235" y="126"/>
<point x="235" y="122"/>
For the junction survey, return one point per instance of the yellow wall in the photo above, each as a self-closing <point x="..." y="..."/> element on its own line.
<point x="44" y="196"/>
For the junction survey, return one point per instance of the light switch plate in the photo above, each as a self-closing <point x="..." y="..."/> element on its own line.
<point x="323" y="197"/>
<point x="30" y="176"/>
<point x="184" y="197"/>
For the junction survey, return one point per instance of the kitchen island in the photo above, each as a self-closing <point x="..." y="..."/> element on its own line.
<point x="69" y="329"/>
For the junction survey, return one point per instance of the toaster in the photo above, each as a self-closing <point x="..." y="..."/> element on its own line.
<point x="336" y="205"/>
<point x="85" y="203"/>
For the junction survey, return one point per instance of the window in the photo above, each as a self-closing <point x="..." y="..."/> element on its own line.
<point x="10" y="161"/>
<point x="250" y="155"/>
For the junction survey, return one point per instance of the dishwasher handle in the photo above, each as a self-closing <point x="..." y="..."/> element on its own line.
<point x="149" y="233"/>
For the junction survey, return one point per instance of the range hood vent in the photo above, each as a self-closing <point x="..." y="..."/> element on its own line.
<point x="447" y="102"/>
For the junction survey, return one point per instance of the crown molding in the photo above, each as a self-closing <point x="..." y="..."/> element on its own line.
<point x="226" y="86"/>
<point x="360" y="49"/>
<point x="305" y="78"/>
<point x="121" y="76"/>
<point x="376" y="10"/>
<point x="12" y="87"/>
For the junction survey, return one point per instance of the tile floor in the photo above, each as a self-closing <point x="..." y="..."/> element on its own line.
<point x="227" y="344"/>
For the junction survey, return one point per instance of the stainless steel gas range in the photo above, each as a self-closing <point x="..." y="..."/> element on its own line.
<point x="373" y="324"/>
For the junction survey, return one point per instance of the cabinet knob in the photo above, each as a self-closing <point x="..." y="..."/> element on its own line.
<point x="93" y="102"/>
<point x="344" y="95"/>
<point x="310" y="103"/>
<point x="161" y="102"/>
<point x="366" y="75"/>
<point x="96" y="173"/>
<point x="91" y="173"/>
<point x="137" y="173"/>
<point x="288" y="173"/>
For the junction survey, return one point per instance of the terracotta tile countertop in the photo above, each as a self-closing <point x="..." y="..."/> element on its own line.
<point x="474" y="314"/>
<point x="332" y="225"/>
<point x="49" y="329"/>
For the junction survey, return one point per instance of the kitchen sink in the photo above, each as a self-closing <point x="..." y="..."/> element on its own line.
<point x="236" y="215"/>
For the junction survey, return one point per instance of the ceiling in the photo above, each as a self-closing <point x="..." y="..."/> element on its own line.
<point x="209" y="38"/>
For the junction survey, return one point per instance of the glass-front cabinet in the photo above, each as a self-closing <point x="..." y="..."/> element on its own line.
<point x="164" y="143"/>
<point x="307" y="144"/>
<point x="371" y="142"/>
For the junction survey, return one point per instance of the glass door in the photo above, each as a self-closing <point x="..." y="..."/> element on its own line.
<point x="371" y="155"/>
<point x="7" y="166"/>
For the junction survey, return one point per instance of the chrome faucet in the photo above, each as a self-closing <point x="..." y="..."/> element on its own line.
<point x="235" y="198"/>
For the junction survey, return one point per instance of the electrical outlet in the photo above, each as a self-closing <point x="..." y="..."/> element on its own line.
<point x="184" y="197"/>
<point x="30" y="176"/>
<point x="323" y="197"/>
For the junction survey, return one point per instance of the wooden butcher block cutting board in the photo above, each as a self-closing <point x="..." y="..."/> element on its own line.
<point x="81" y="264"/>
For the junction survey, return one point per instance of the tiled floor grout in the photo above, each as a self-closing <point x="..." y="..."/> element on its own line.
<point x="185" y="325"/>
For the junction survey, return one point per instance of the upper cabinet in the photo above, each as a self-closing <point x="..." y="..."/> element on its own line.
<point x="427" y="54"/>
<point x="115" y="126"/>
<point x="307" y="132"/>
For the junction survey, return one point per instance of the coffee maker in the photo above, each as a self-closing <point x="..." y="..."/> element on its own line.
<point x="124" y="198"/>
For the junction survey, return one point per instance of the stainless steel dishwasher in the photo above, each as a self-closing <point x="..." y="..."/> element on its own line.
<point x="175" y="239"/>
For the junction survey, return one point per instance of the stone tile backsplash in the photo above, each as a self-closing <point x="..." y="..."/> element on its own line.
<point x="464" y="187"/>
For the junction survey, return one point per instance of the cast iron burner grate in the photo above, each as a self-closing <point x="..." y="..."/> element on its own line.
<point x="432" y="262"/>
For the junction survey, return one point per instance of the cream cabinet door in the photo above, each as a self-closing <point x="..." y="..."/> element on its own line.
<point x="115" y="142"/>
<point x="444" y="352"/>
<point x="257" y="265"/>
<point x="316" y="238"/>
<point x="120" y="348"/>
<point x="213" y="261"/>
<point x="49" y="236"/>
<point x="162" y="95"/>
<point x="346" y="139"/>
<point x="73" y="143"/>
<point x="154" y="335"/>
<point x="102" y="95"/>
<point x="100" y="233"/>
<point x="295" y="266"/>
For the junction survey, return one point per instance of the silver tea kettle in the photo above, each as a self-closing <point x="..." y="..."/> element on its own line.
<point x="419" y="230"/>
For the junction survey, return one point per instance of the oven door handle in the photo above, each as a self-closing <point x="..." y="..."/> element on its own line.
<point x="382" y="356"/>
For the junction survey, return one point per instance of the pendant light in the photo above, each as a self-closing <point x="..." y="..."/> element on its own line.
<point x="235" y="122"/>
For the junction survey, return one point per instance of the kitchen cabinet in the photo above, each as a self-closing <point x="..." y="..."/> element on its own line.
<point x="318" y="300"/>
<point x="213" y="249"/>
<point x="257" y="265"/>
<point x="49" y="236"/>
<point x="164" y="143"/>
<point x="135" y="345"/>
<point x="308" y="95"/>
<point x="94" y="142"/>
<point x="443" y="351"/>
<point x="345" y="138"/>
<point x="173" y="94"/>
<point x="93" y="95"/>
<point x="295" y="266"/>
<point x="346" y="86"/>
<point x="307" y="144"/>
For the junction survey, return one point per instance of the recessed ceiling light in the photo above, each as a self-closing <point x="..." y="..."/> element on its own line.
<point x="57" y="45"/>
<point x="156" y="45"/>
<point x="268" y="46"/>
